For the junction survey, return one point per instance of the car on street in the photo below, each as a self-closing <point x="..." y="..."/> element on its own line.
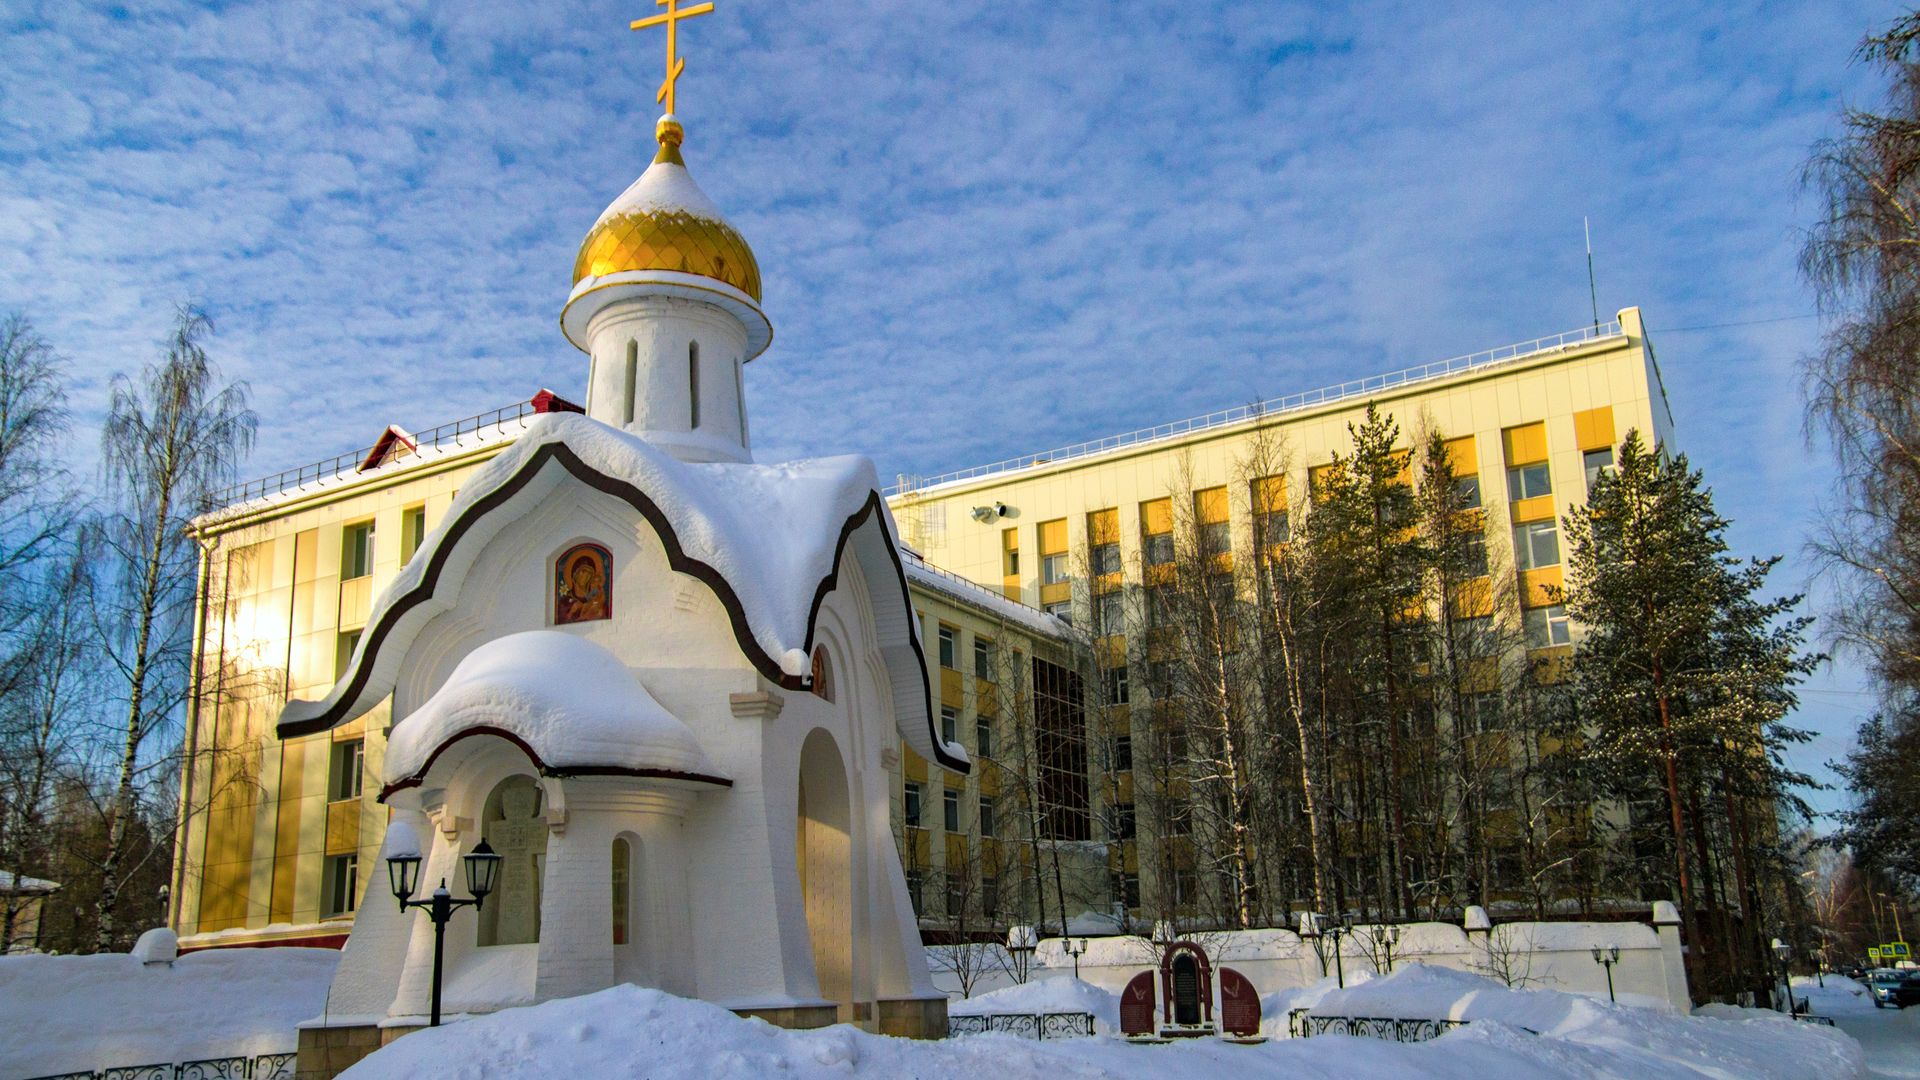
<point x="1891" y="988"/>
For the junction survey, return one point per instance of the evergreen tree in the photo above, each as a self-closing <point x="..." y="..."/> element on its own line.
<point x="1685" y="675"/>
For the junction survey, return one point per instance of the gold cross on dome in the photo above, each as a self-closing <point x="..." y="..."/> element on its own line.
<point x="671" y="20"/>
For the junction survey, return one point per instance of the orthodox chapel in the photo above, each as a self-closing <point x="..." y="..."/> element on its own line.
<point x="656" y="677"/>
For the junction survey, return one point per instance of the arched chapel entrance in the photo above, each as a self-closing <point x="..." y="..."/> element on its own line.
<point x="824" y="855"/>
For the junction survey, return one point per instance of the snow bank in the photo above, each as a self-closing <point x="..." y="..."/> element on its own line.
<point x="628" y="1031"/>
<point x="598" y="715"/>
<point x="1058" y="995"/>
<point x="1838" y="997"/>
<point x="73" y="1013"/>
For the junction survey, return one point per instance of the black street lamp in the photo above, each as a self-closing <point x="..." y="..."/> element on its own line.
<point x="403" y="874"/>
<point x="1785" y="952"/>
<point x="1606" y="958"/>
<point x="1076" y="948"/>
<point x="1388" y="938"/>
<point x="1333" y="926"/>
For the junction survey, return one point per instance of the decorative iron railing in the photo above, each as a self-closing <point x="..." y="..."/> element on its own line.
<point x="1356" y="388"/>
<point x="1812" y="1019"/>
<point x="1301" y="1025"/>
<point x="261" y="1067"/>
<point x="1024" y="1025"/>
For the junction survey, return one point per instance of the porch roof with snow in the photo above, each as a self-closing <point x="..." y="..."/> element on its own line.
<point x="768" y="540"/>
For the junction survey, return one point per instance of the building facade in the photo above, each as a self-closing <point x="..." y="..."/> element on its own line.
<point x="280" y="837"/>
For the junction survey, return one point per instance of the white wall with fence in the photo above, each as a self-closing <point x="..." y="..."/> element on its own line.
<point x="1646" y="970"/>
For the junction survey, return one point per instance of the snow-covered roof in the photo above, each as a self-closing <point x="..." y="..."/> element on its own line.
<point x="766" y="539"/>
<point x="599" y="717"/>
<point x="11" y="882"/>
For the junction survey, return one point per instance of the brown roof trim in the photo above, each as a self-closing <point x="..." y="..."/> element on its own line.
<point x="677" y="559"/>
<point x="564" y="771"/>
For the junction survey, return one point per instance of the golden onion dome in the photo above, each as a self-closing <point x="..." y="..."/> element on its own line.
<point x="665" y="222"/>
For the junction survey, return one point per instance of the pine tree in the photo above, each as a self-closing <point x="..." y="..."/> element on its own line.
<point x="1685" y="674"/>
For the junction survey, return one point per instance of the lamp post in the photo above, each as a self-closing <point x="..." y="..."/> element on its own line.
<point x="1336" y="928"/>
<point x="1021" y="943"/>
<point x="403" y="875"/>
<point x="1785" y="951"/>
<point x="1076" y="948"/>
<point x="1607" y="957"/>
<point x="1388" y="938"/>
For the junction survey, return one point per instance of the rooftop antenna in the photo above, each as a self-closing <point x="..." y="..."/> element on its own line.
<point x="1593" y="292"/>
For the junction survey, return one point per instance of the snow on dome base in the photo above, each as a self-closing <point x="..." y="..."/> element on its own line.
<point x="598" y="716"/>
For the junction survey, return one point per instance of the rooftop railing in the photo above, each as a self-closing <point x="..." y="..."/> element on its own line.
<point x="1372" y="384"/>
<point x="458" y="433"/>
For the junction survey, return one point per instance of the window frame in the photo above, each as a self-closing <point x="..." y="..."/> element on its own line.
<point x="1520" y="480"/>
<point x="949" y="647"/>
<point x="950" y="810"/>
<point x="1055" y="568"/>
<point x="913" y="798"/>
<point x="1526" y="535"/>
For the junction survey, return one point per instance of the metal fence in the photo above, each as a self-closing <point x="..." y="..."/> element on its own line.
<point x="260" y="1067"/>
<point x="1301" y="1025"/>
<point x="1025" y="1025"/>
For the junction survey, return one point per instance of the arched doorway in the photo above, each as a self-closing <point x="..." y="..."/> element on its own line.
<point x="1186" y="979"/>
<point x="512" y="825"/>
<point x="823" y="853"/>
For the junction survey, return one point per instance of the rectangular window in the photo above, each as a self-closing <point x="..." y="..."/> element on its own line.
<point x="1529" y="481"/>
<point x="343" y="647"/>
<point x="1054" y="569"/>
<point x="1125" y="825"/>
<point x="356" y="551"/>
<point x="1474" y="636"/>
<point x="1122" y="753"/>
<point x="1271" y="529"/>
<point x="916" y="887"/>
<point x="983" y="736"/>
<point x="1160" y="605"/>
<point x="989" y="896"/>
<point x="1466" y="493"/>
<point x="1158" y="549"/>
<point x="1597" y="462"/>
<point x="1062" y="610"/>
<point x="986" y="816"/>
<point x="342" y="884"/>
<point x="1010" y="552"/>
<point x="1536" y="544"/>
<point x="982" y="659"/>
<point x="950" y="810"/>
<point x="1105" y="559"/>
<point x="1126" y="888"/>
<point x="1117" y="685"/>
<point x="1186" y="888"/>
<point x="956" y="895"/>
<point x="1110" y="612"/>
<point x="343" y="771"/>
<point x="1215" y="538"/>
<point x="949" y="723"/>
<point x="1481" y="712"/>
<point x="1548" y="626"/>
<point x="910" y="810"/>
<point x="413" y="529"/>
<point x="1473" y="554"/>
<point x="949" y="647"/>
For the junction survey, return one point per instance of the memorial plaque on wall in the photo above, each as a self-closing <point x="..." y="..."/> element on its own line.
<point x="1136" y="1005"/>
<point x="1239" y="1005"/>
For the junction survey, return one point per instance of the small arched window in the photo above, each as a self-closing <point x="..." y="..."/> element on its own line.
<point x="693" y="383"/>
<point x="632" y="377"/>
<point x="622" y="887"/>
<point x="822" y="674"/>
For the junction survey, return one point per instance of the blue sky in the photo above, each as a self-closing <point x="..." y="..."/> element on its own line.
<point x="1080" y="217"/>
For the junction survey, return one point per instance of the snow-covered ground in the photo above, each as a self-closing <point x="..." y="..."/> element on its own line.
<point x="1046" y="996"/>
<point x="1890" y="1038"/>
<point x="72" y="1013"/>
<point x="630" y="1032"/>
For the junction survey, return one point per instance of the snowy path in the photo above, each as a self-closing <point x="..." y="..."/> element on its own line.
<point x="1890" y="1038"/>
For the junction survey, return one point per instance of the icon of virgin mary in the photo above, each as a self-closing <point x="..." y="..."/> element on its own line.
<point x="581" y="585"/>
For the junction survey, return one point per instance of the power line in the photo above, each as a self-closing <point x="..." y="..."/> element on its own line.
<point x="1724" y="325"/>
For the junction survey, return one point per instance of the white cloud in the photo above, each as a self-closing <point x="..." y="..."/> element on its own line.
<point x="1093" y="217"/>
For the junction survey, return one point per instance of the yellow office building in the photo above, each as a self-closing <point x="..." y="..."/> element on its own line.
<point x="278" y="838"/>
